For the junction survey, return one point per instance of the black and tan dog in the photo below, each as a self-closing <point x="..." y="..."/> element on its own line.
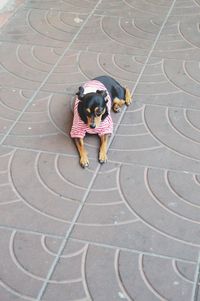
<point x="92" y="113"/>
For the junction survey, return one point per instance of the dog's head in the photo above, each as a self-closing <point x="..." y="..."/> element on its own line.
<point x="92" y="107"/>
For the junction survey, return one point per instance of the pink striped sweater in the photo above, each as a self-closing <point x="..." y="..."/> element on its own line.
<point x="79" y="128"/>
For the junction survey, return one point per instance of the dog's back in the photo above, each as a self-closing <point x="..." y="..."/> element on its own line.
<point x="113" y="87"/>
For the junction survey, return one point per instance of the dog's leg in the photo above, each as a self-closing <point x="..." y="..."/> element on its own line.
<point x="82" y="152"/>
<point x="117" y="104"/>
<point x="103" y="149"/>
<point x="128" y="98"/>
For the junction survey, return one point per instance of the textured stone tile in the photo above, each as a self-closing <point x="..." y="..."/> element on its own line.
<point x="143" y="208"/>
<point x="134" y="8"/>
<point x="42" y="27"/>
<point x="155" y="278"/>
<point x="169" y="82"/>
<point x="180" y="37"/>
<point x="158" y="136"/>
<point x="185" y="8"/>
<point x="173" y="84"/>
<point x="45" y="125"/>
<point x="78" y="67"/>
<point x="12" y="101"/>
<point x="112" y="274"/>
<point x="72" y="6"/>
<point x="69" y="278"/>
<point x="38" y="193"/>
<point x="25" y="261"/>
<point x="117" y="35"/>
<point x="26" y="66"/>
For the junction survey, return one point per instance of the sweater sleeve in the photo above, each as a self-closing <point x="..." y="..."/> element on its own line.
<point x="78" y="127"/>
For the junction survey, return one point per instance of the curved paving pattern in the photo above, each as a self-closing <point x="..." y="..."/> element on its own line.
<point x="127" y="230"/>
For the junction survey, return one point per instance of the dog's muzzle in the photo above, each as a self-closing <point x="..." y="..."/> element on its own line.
<point x="92" y="125"/>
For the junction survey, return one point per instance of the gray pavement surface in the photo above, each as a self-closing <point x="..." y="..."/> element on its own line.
<point x="127" y="230"/>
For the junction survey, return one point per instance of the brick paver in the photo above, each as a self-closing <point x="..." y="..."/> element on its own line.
<point x="127" y="230"/>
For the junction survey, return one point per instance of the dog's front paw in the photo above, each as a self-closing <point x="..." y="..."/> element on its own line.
<point x="84" y="162"/>
<point x="102" y="157"/>
<point x="118" y="104"/>
<point x="116" y="108"/>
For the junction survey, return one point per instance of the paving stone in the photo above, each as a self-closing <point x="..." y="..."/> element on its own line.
<point x="160" y="136"/>
<point x="134" y="8"/>
<point x="46" y="121"/>
<point x="116" y="35"/>
<point x="73" y="6"/>
<point x="69" y="275"/>
<point x="169" y="82"/>
<point x="9" y="108"/>
<point x="144" y="209"/>
<point x="42" y="27"/>
<point x="185" y="8"/>
<point x="37" y="192"/>
<point x="75" y="68"/>
<point x="180" y="36"/>
<point x="25" y="261"/>
<point x="112" y="274"/>
<point x="26" y="66"/>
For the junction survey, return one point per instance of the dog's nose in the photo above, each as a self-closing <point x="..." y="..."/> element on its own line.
<point x="92" y="126"/>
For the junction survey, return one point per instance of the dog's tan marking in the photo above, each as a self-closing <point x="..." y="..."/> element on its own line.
<point x="82" y="152"/>
<point x="117" y="104"/>
<point x="96" y="119"/>
<point x="89" y="120"/>
<point x="103" y="148"/>
<point x="96" y="110"/>
<point x="128" y="98"/>
<point x="88" y="110"/>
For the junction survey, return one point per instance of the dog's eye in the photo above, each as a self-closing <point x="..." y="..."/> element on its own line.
<point x="98" y="111"/>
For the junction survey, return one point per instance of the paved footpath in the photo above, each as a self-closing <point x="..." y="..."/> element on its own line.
<point x="127" y="230"/>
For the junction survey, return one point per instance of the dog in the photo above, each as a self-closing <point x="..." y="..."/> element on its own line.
<point x="92" y="113"/>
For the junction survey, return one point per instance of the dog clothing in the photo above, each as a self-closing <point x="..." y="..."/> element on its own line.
<point x="79" y="128"/>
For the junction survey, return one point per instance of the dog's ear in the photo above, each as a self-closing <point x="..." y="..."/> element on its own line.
<point x="80" y="92"/>
<point x="102" y="93"/>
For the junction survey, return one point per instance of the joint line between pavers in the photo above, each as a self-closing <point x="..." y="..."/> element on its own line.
<point x="93" y="243"/>
<point x="65" y="240"/>
<point x="62" y="246"/>
<point x="142" y="71"/>
<point x="134" y="251"/>
<point x="76" y="216"/>
<point x="31" y="232"/>
<point x="195" y="289"/>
